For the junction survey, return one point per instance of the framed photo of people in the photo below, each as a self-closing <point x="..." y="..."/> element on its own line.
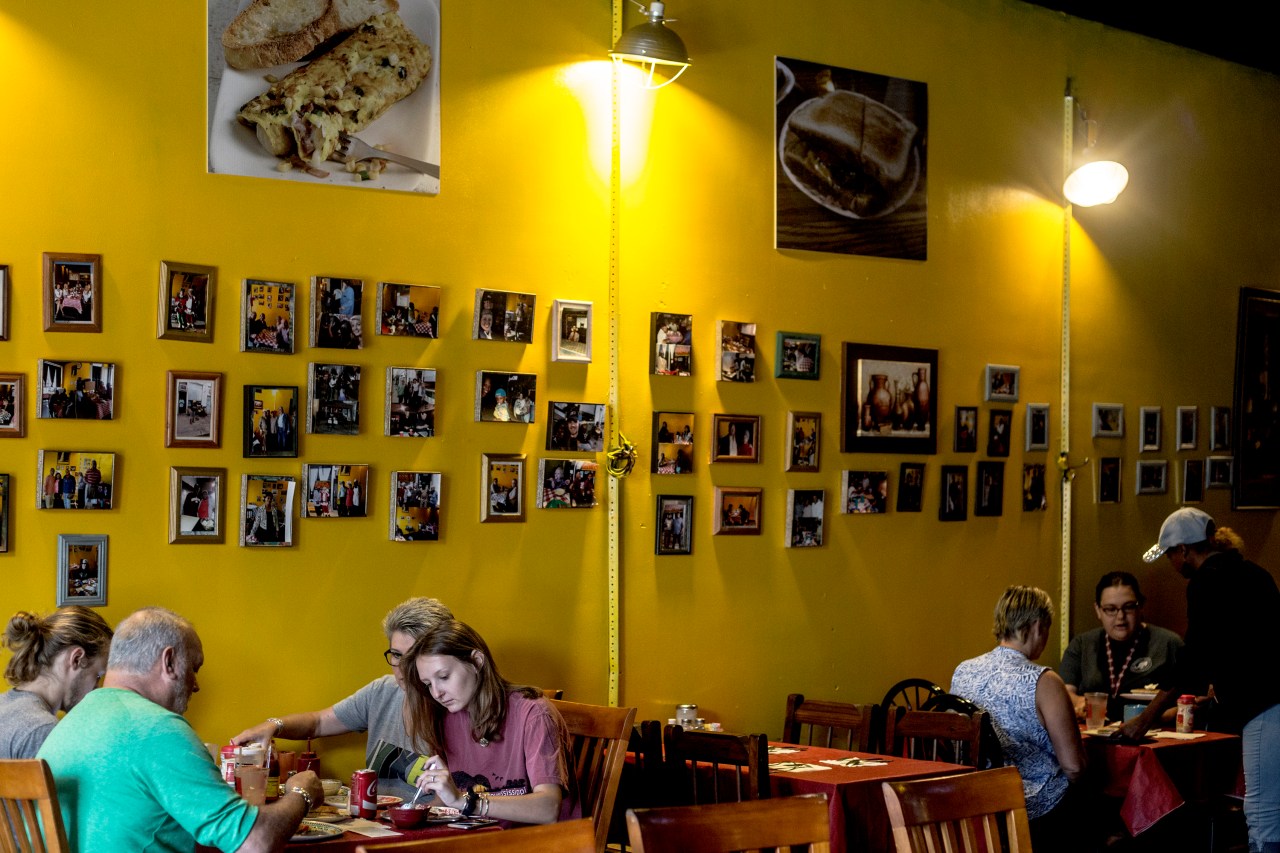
<point x="953" y="503"/>
<point x="566" y="483"/>
<point x="75" y="479"/>
<point x="1151" y="424"/>
<point x="1035" y="497"/>
<point x="1192" y="481"/>
<point x="988" y="491"/>
<point x="266" y="514"/>
<point x="1037" y="426"/>
<point x="798" y="356"/>
<point x="911" y="487"/>
<point x="193" y="409"/>
<point x="672" y="443"/>
<point x="1219" y="428"/>
<point x="267" y="318"/>
<point x="804" y="441"/>
<point x="1152" y="476"/>
<point x="185" y="311"/>
<point x="504" y="397"/>
<point x="5" y="493"/>
<point x="737" y="351"/>
<point x="333" y="399"/>
<point x="336" y="318"/>
<point x="999" y="431"/>
<point x="737" y="511"/>
<point x="886" y="397"/>
<point x="501" y="315"/>
<point x="1256" y="439"/>
<point x="1218" y="472"/>
<point x="83" y="390"/>
<point x="502" y="487"/>
<point x="72" y="294"/>
<point x="1188" y="427"/>
<point x="673" y="525"/>
<point x="571" y="340"/>
<point x="410" y="404"/>
<point x="736" y="438"/>
<point x="805" y="516"/>
<point x="196" y="499"/>
<point x="408" y="310"/>
<point x="13" y="405"/>
<point x="966" y="434"/>
<point x="864" y="492"/>
<point x="415" y="506"/>
<point x="270" y="423"/>
<point x="1109" y="480"/>
<point x="1108" y="420"/>
<point x="576" y="427"/>
<point x="82" y="570"/>
<point x="1001" y="383"/>
<point x="672" y="336"/>
<point x="335" y="490"/>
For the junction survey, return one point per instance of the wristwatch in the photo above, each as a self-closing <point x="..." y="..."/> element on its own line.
<point x="302" y="792"/>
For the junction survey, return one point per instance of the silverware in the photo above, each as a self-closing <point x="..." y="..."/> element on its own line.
<point x="352" y="148"/>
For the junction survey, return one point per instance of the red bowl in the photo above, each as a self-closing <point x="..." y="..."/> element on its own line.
<point x="406" y="816"/>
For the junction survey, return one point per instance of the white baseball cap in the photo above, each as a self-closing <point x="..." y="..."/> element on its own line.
<point x="1185" y="526"/>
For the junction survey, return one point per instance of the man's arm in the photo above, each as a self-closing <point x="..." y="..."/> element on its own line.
<point x="277" y="822"/>
<point x="295" y="727"/>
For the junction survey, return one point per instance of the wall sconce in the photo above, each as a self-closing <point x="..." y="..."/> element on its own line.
<point x="653" y="46"/>
<point x="1092" y="182"/>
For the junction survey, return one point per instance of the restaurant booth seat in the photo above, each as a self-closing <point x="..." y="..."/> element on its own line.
<point x="715" y="766"/>
<point x="823" y="719"/>
<point x="30" y="821"/>
<point x="598" y="737"/>
<point x="570" y="836"/>
<point x="730" y="827"/>
<point x="969" y="811"/>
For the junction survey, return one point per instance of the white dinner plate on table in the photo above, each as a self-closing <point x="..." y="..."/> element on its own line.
<point x="314" y="830"/>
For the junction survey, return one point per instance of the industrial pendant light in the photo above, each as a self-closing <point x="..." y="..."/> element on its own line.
<point x="1093" y="181"/>
<point x="654" y="47"/>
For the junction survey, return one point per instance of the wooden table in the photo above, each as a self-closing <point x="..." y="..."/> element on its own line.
<point x="349" y="841"/>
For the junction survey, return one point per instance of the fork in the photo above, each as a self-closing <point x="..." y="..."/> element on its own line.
<point x="352" y="148"/>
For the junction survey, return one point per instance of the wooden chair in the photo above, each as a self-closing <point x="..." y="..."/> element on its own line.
<point x="909" y="693"/>
<point x="856" y="722"/>
<point x="30" y="821"/>
<point x="982" y="811"/>
<point x="644" y="780"/>
<point x="802" y="822"/>
<point x="598" y="748"/>
<point x="936" y="736"/>
<point x="552" y="694"/>
<point x="715" y="765"/>
<point x="572" y="836"/>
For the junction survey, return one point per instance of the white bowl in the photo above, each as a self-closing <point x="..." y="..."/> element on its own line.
<point x="331" y="786"/>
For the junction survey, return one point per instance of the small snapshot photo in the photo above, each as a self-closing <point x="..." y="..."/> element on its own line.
<point x="1002" y="383"/>
<point x="672" y="443"/>
<point x="1037" y="426"/>
<point x="82" y="570"/>
<point x="998" y="432"/>
<point x="572" y="324"/>
<point x="737" y="351"/>
<point x="266" y="502"/>
<point x="1151" y="422"/>
<point x="804" y="517"/>
<point x="1220" y="428"/>
<point x="270" y="420"/>
<point x="195" y="505"/>
<point x="1188" y="427"/>
<point x="193" y="410"/>
<point x="953" y="504"/>
<point x="1192" y="481"/>
<point x="415" y="506"/>
<point x="503" y="397"/>
<point x="674" y="525"/>
<point x="864" y="492"/>
<point x="408" y="310"/>
<point x="575" y="427"/>
<point x="13" y="405"/>
<point x="502" y="315"/>
<point x="736" y="438"/>
<point x="336" y="491"/>
<point x="672" y="336"/>
<point x="186" y="302"/>
<point x="911" y="487"/>
<point x="798" y="356"/>
<point x="737" y="511"/>
<point x="1109" y="480"/>
<point x="76" y="479"/>
<point x="411" y="402"/>
<point x="84" y="390"/>
<point x="567" y="483"/>
<point x="336" y="319"/>
<point x="1108" y="420"/>
<point x="966" y="440"/>
<point x="988" y="495"/>
<point x="804" y="432"/>
<point x="72" y="292"/>
<point x="4" y="512"/>
<point x="1218" y="472"/>
<point x="1153" y="477"/>
<point x="1034" y="496"/>
<point x="267" y="319"/>
<point x="502" y="487"/>
<point x="333" y="399"/>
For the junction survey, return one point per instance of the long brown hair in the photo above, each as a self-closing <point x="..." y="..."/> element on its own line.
<point x="36" y="640"/>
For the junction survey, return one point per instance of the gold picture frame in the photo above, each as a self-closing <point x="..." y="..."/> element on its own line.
<point x="72" y="292"/>
<point x="193" y="409"/>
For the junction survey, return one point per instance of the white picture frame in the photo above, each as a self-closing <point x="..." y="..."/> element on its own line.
<point x="1001" y="383"/>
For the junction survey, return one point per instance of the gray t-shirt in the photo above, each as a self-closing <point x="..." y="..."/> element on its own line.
<point x="378" y="708"/>
<point x="25" y="721"/>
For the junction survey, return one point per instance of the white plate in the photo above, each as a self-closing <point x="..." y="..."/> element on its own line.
<point x="1139" y="696"/>
<point x="410" y="127"/>
<point x="314" y="830"/>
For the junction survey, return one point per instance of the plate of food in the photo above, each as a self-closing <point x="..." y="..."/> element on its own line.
<point x="387" y="800"/>
<point x="314" y="830"/>
<point x="338" y="802"/>
<point x="442" y="814"/>
<point x="326" y="813"/>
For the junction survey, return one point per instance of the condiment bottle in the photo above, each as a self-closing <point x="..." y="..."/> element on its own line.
<point x="273" y="778"/>
<point x="1186" y="713"/>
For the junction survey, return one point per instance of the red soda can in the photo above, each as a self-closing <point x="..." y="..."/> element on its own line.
<point x="364" y="794"/>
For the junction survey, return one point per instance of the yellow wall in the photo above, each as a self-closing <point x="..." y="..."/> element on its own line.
<point x="117" y="167"/>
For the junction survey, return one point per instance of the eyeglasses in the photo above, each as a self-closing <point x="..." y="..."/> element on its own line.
<point x="1126" y="608"/>
<point x="393" y="657"/>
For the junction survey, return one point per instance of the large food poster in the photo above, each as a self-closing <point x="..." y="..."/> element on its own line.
<point x="851" y="161"/>
<point x="288" y="80"/>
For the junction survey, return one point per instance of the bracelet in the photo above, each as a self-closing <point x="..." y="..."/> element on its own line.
<point x="469" y="801"/>
<point x="279" y="723"/>
<point x="484" y="804"/>
<point x="305" y="796"/>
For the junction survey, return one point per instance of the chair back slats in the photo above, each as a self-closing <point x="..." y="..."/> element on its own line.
<point x="716" y="766"/>
<point x="644" y="780"/>
<point x="572" y="836"/>
<point x="834" y="724"/>
<point x="801" y="823"/>
<point x="936" y="736"/>
<point x="597" y="750"/>
<point x="30" y="821"/>
<point x="969" y="812"/>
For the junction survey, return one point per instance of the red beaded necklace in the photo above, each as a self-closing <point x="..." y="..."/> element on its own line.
<point x="1112" y="674"/>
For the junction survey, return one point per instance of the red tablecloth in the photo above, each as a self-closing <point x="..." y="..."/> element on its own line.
<point x="349" y="841"/>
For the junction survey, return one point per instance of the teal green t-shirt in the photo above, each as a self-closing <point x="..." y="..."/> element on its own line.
<point x="132" y="776"/>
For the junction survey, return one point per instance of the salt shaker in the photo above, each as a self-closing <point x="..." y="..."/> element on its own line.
<point x="687" y="716"/>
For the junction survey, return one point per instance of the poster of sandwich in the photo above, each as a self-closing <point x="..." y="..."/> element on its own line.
<point x="340" y="92"/>
<point x="851" y="161"/>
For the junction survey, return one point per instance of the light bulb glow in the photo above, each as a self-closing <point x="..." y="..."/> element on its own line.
<point x="1099" y="182"/>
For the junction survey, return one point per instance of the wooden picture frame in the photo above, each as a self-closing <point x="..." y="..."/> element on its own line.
<point x="953" y="498"/>
<point x="988" y="489"/>
<point x="1151" y="477"/>
<point x="1255" y="438"/>
<point x="197" y="506"/>
<point x="735" y="438"/>
<point x="333" y="398"/>
<point x="1219" y="472"/>
<point x="1108" y="420"/>
<point x="415" y="506"/>
<point x="335" y="490"/>
<point x="6" y="287"/>
<point x="408" y="310"/>
<point x="503" y="396"/>
<point x="673" y="525"/>
<point x="1001" y="383"/>
<point x="6" y="493"/>
<point x="337" y="319"/>
<point x="503" y="315"/>
<point x="910" y="487"/>
<point x="571" y="326"/>
<point x="72" y="292"/>
<point x="502" y="487"/>
<point x="671" y="352"/>
<point x="267" y="510"/>
<point x="186" y="308"/>
<point x="76" y="389"/>
<point x="13" y="405"/>
<point x="806" y="518"/>
<point x="1188" y="427"/>
<point x="82" y="570"/>
<point x="269" y="422"/>
<point x="92" y="474"/>
<point x="567" y="483"/>
<point x="737" y="511"/>
<point x="1150" y="428"/>
<point x="737" y="361"/>
<point x="1037" y="426"/>
<point x="268" y="316"/>
<point x="193" y="409"/>
<point x="804" y="441"/>
<point x="870" y="420"/>
<point x="1192" y="481"/>
<point x="864" y="492"/>
<point x="798" y="356"/>
<point x="410" y="404"/>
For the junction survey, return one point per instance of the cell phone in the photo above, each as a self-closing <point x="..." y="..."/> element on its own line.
<point x="471" y="823"/>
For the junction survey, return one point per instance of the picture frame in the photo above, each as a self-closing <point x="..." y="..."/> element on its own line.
<point x="673" y="443"/>
<point x="337" y="316"/>
<point x="196" y="500"/>
<point x="864" y="492"/>
<point x="335" y="490"/>
<point x="988" y="489"/>
<point x="735" y="438"/>
<point x="567" y="483"/>
<point x="575" y="427"/>
<point x="1152" y="477"/>
<point x="83" y="390"/>
<point x="6" y="493"/>
<point x="1219" y="428"/>
<point x="268" y="321"/>
<point x="410" y="404"/>
<point x="966" y="434"/>
<point x="804" y="441"/>
<point x="72" y="292"/>
<point x="503" y="315"/>
<point x="737" y="351"/>
<point x="5" y="288"/>
<point x="1001" y="383"/>
<point x="415" y="506"/>
<point x="1151" y="424"/>
<point x="270" y="421"/>
<point x="185" y="311"/>
<point x="1188" y="427"/>
<point x="82" y="570"/>
<point x="910" y="487"/>
<point x="1193" y="481"/>
<point x="1254" y="436"/>
<point x="502" y="487"/>
<point x="506" y="397"/>
<point x="737" y="511"/>
<point x="805" y="518"/>
<point x="1108" y="420"/>
<point x="999" y="432"/>
<point x="870" y="422"/>
<point x="672" y="336"/>
<point x="572" y="325"/>
<point x="953" y="500"/>
<point x="673" y="525"/>
<point x="1219" y="472"/>
<point x="798" y="356"/>
<point x="92" y="474"/>
<point x="333" y="398"/>
<point x="408" y="310"/>
<point x="13" y="405"/>
<point x="1037" y="426"/>
<point x="1035" y="496"/>
<point x="1109" y="475"/>
<point x="193" y="409"/>
<point x="267" y="510"/>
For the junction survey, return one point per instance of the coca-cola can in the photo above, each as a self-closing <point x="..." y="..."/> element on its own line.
<point x="364" y="794"/>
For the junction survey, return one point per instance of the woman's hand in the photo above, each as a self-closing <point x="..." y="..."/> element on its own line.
<point x="437" y="779"/>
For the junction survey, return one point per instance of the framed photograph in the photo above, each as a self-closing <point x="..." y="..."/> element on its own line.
<point x="503" y="397"/>
<point x="911" y="487"/>
<point x="72" y="292"/>
<point x="1037" y="426"/>
<point x="953" y="504"/>
<point x="335" y="491"/>
<point x="5" y="492"/>
<point x="270" y="423"/>
<point x="1150" y="421"/>
<point x="82" y="570"/>
<point x="1035" y="497"/>
<point x="1218" y="472"/>
<point x="1192" y="481"/>
<point x="266" y="502"/>
<point x="502" y="487"/>
<point x="502" y="315"/>
<point x="737" y="351"/>
<point x="1108" y="420"/>
<point x="193" y="409"/>
<point x="1109" y="480"/>
<point x="1152" y="477"/>
<point x="13" y="405"/>
<point x="575" y="426"/>
<point x="1219" y="428"/>
<point x="337" y="321"/>
<point x="566" y="483"/>
<point x="408" y="310"/>
<point x="5" y="288"/>
<point x="1188" y="427"/>
<point x="185" y="312"/>
<point x="804" y="431"/>
<point x="572" y="338"/>
<point x="333" y="399"/>
<point x="999" y="429"/>
<point x="267" y="317"/>
<point x="988" y="495"/>
<point x="415" y="506"/>
<point x="196" y="498"/>
<point x="736" y="438"/>
<point x="410" y="404"/>
<point x="75" y="479"/>
<point x="1256" y="439"/>
<point x="1001" y="383"/>
<point x="804" y="517"/>
<point x="672" y="443"/>
<point x="85" y="390"/>
<point x="737" y="511"/>
<point x="864" y="492"/>
<point x="966" y="439"/>
<point x="672" y="336"/>
<point x="798" y="356"/>
<point x="887" y="400"/>
<point x="674" y="525"/>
